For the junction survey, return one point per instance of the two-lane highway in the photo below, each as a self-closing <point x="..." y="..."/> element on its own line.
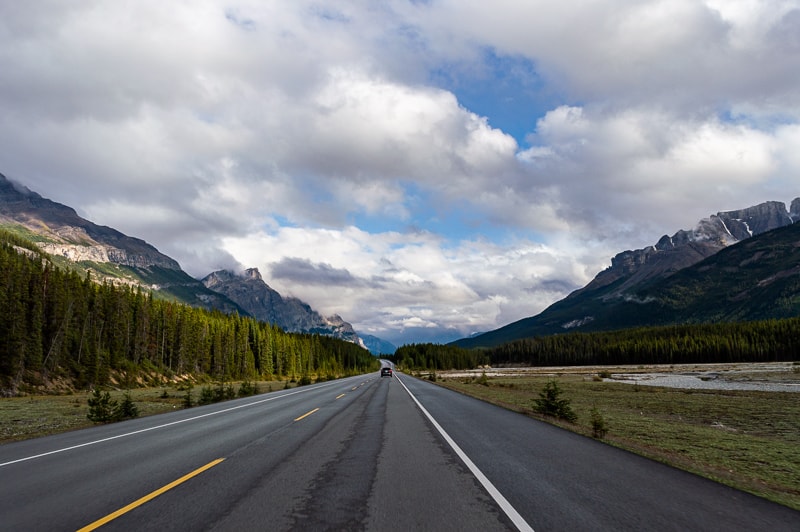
<point x="362" y="453"/>
<point x="324" y="456"/>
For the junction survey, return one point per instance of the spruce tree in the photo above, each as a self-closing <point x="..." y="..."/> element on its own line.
<point x="102" y="408"/>
<point x="550" y="403"/>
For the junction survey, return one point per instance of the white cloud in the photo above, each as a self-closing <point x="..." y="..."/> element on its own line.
<point x="387" y="280"/>
<point x="296" y="135"/>
<point x="651" y="168"/>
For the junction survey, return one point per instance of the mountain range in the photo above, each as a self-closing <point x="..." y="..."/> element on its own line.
<point x="258" y="299"/>
<point x="111" y="256"/>
<point x="733" y="266"/>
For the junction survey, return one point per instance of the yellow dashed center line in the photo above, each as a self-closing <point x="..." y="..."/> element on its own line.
<point x="306" y="414"/>
<point x="149" y="497"/>
<point x="340" y="396"/>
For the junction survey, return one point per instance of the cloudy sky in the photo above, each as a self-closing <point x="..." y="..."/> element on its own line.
<point x="425" y="169"/>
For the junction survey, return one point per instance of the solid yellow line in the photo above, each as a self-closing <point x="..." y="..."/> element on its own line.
<point x="146" y="498"/>
<point x="306" y="414"/>
<point x="340" y="396"/>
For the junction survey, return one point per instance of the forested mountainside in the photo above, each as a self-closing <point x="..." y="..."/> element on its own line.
<point x="702" y="278"/>
<point x="61" y="330"/>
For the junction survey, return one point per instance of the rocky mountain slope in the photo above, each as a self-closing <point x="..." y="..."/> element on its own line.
<point x="672" y="281"/>
<point x="686" y="248"/>
<point x="258" y="299"/>
<point x="378" y="346"/>
<point x="107" y="254"/>
<point x="62" y="232"/>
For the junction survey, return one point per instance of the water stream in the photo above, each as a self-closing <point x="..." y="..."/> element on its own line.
<point x="758" y="377"/>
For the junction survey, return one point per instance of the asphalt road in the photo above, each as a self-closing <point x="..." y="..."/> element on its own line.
<point x="355" y="454"/>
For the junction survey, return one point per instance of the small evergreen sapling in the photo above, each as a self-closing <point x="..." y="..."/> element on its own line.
<point x="127" y="409"/>
<point x="550" y="403"/>
<point x="104" y="409"/>
<point x="101" y="407"/>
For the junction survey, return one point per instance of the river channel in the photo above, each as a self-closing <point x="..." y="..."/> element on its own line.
<point x="766" y="377"/>
<point x="772" y="377"/>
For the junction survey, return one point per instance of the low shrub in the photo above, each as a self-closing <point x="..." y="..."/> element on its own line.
<point x="599" y="427"/>
<point x="104" y="409"/>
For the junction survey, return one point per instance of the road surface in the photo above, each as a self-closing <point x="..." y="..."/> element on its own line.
<point x="362" y="453"/>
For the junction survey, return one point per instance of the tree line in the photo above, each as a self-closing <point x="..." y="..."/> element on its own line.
<point x="438" y="357"/>
<point x="755" y="341"/>
<point x="56" y="324"/>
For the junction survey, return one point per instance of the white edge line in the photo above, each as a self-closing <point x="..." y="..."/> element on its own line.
<point x="164" y="425"/>
<point x="510" y="511"/>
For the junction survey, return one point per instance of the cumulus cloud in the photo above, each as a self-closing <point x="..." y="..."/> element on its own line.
<point x="648" y="166"/>
<point x="391" y="284"/>
<point x="315" y="142"/>
<point x="683" y="53"/>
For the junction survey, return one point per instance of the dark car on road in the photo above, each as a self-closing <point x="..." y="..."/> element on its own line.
<point x="386" y="372"/>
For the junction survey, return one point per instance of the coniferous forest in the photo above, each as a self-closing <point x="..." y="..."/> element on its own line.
<point x="57" y="325"/>
<point x="755" y="341"/>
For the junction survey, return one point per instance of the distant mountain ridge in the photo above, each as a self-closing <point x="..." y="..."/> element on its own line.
<point x="378" y="346"/>
<point x="255" y="296"/>
<point x="685" y="248"/>
<point x="632" y="291"/>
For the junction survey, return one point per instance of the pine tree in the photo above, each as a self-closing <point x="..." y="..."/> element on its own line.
<point x="126" y="409"/>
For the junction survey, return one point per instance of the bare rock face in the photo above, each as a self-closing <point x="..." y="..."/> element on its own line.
<point x="248" y="290"/>
<point x="755" y="220"/>
<point x="794" y="210"/>
<point x="77" y="253"/>
<point x="342" y="329"/>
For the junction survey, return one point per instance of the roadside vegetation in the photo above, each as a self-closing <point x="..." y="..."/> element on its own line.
<point x="745" y="439"/>
<point x="32" y="416"/>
